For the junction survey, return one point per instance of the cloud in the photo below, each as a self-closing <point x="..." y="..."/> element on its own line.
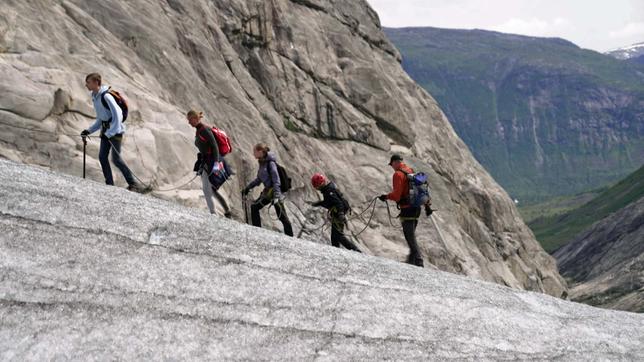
<point x="629" y="30"/>
<point x="535" y="26"/>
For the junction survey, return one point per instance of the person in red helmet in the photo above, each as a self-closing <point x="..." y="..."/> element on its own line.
<point x="338" y="207"/>
<point x="408" y="214"/>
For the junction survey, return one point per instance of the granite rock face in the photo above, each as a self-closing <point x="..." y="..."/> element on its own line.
<point x="96" y="272"/>
<point x="316" y="80"/>
<point x="606" y="262"/>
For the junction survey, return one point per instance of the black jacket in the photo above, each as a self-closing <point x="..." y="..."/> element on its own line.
<point x="208" y="148"/>
<point x="333" y="200"/>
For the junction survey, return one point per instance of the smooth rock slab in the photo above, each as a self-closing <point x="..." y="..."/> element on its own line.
<point x="96" y="272"/>
<point x="317" y="81"/>
<point x="606" y="262"/>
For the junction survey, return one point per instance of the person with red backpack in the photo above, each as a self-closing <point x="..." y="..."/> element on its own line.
<point x="213" y="145"/>
<point x="409" y="214"/>
<point x="275" y="181"/>
<point x="111" y="111"/>
<point x="338" y="207"/>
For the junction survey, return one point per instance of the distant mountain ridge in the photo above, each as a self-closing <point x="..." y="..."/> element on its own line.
<point x="633" y="52"/>
<point x="544" y="116"/>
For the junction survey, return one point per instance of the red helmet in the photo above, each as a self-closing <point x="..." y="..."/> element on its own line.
<point x="318" y="180"/>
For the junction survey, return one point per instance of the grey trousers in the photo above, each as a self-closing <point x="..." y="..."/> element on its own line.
<point x="211" y="194"/>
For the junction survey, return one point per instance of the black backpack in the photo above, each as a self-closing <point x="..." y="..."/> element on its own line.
<point x="285" y="180"/>
<point x="345" y="202"/>
<point x="120" y="101"/>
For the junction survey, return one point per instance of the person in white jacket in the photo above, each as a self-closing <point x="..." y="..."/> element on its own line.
<point x="110" y="121"/>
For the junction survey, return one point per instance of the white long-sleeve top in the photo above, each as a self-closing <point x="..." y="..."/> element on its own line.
<point x="112" y="114"/>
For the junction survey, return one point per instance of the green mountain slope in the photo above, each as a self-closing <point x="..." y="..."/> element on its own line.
<point x="555" y="231"/>
<point x="545" y="117"/>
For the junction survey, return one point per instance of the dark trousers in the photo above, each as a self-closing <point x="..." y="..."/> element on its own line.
<point x="409" y="219"/>
<point x="337" y="234"/>
<point x="103" y="157"/>
<point x="279" y="208"/>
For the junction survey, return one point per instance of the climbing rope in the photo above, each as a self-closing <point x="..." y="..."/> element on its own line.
<point x="372" y="205"/>
<point x="360" y="214"/>
<point x="178" y="187"/>
<point x="317" y="228"/>
<point x="329" y="223"/>
<point x="277" y="212"/>
<point x="149" y="186"/>
<point x="389" y="214"/>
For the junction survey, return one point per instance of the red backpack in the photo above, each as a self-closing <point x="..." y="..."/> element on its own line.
<point x="223" y="141"/>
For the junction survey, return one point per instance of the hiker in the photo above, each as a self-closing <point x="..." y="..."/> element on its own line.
<point x="210" y="164"/>
<point x="109" y="119"/>
<point x="268" y="175"/>
<point x="338" y="207"/>
<point x="408" y="214"/>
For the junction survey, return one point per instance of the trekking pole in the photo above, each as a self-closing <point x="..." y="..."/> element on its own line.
<point x="440" y="234"/>
<point x="245" y="206"/>
<point x="84" y="153"/>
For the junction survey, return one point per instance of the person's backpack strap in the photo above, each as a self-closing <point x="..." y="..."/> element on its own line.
<point x="345" y="202"/>
<point x="285" y="180"/>
<point x="268" y="170"/>
<point x="103" y="101"/>
<point x="406" y="200"/>
<point x="120" y="102"/>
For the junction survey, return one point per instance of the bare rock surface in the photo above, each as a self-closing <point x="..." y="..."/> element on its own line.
<point x="605" y="263"/>
<point x="317" y="80"/>
<point x="96" y="272"/>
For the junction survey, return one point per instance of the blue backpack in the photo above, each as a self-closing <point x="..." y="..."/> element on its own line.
<point x="219" y="174"/>
<point x="418" y="189"/>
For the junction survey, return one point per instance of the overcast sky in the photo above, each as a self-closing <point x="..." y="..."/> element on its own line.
<point x="595" y="24"/>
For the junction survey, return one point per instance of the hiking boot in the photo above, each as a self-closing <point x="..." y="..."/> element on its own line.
<point x="139" y="188"/>
<point x="417" y="261"/>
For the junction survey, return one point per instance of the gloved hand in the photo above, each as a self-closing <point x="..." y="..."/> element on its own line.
<point x="278" y="199"/>
<point x="198" y="164"/>
<point x="383" y="197"/>
<point x="85" y="133"/>
<point x="428" y="210"/>
<point x="245" y="191"/>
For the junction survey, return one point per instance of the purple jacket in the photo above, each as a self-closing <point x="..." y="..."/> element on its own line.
<point x="267" y="174"/>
